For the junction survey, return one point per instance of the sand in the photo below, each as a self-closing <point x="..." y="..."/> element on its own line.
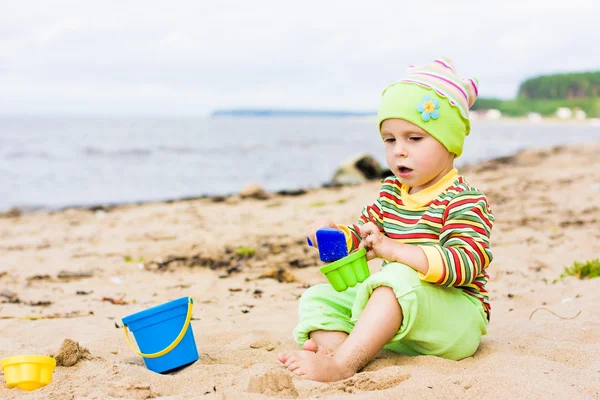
<point x="136" y="256"/>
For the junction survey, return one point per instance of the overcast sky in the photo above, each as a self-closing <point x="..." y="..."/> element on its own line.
<point x="191" y="57"/>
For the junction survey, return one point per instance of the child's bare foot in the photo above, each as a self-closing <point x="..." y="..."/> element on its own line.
<point x="310" y="345"/>
<point x="315" y="366"/>
<point x="325" y="342"/>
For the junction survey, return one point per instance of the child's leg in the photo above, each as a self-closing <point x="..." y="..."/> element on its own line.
<point x="383" y="312"/>
<point x="324" y="318"/>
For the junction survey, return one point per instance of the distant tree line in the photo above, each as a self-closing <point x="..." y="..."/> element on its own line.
<point x="562" y="86"/>
<point x="545" y="94"/>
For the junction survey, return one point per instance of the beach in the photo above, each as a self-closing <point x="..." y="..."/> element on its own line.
<point x="74" y="273"/>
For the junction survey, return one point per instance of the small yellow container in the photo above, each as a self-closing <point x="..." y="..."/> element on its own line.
<point x="28" y="372"/>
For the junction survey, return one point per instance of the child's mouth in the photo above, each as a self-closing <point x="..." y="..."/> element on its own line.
<point x="404" y="171"/>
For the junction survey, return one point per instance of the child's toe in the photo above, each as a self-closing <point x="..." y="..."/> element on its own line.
<point x="290" y="359"/>
<point x="311" y="345"/>
<point x="293" y="366"/>
<point x="282" y="357"/>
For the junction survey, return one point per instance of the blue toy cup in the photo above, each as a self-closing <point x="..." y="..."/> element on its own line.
<point x="163" y="335"/>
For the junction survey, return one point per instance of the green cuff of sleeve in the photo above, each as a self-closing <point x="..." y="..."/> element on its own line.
<point x="436" y="264"/>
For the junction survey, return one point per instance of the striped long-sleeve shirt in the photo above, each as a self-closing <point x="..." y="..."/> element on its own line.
<point x="451" y="221"/>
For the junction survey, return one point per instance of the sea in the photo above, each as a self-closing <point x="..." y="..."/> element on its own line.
<point x="49" y="163"/>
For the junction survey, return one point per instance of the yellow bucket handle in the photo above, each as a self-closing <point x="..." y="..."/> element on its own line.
<point x="172" y="345"/>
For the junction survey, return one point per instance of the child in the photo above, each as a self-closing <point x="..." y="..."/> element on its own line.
<point x="430" y="227"/>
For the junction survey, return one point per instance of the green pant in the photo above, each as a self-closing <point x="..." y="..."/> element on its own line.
<point x="439" y="321"/>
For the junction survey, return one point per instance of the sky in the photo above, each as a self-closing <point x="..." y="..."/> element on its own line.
<point x="195" y="56"/>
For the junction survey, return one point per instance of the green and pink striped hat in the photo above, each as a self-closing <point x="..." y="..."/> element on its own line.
<point x="434" y="98"/>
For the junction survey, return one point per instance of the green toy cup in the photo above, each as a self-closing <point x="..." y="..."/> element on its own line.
<point x="348" y="271"/>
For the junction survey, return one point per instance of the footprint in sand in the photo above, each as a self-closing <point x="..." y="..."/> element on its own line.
<point x="365" y="381"/>
<point x="132" y="391"/>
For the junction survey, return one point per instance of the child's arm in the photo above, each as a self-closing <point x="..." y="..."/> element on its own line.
<point x="464" y="248"/>
<point x="462" y="253"/>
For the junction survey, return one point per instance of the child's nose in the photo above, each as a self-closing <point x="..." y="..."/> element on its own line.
<point x="400" y="149"/>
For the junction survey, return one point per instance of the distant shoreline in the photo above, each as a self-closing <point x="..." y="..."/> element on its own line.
<point x="289" y="113"/>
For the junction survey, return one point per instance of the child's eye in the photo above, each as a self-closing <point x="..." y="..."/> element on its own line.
<point x="415" y="138"/>
<point x="390" y="140"/>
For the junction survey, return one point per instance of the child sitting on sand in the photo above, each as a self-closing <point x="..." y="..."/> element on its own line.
<point x="431" y="228"/>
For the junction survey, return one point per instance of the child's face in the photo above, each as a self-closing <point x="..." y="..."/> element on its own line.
<point x="413" y="155"/>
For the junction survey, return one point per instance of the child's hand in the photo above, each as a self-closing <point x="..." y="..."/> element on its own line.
<point x="377" y="244"/>
<point x="315" y="226"/>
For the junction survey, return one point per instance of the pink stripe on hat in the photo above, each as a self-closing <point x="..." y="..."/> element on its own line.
<point x="441" y="62"/>
<point x="474" y="86"/>
<point x="461" y="90"/>
<point x="440" y="76"/>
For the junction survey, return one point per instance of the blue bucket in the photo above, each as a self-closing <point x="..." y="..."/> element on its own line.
<point x="162" y="335"/>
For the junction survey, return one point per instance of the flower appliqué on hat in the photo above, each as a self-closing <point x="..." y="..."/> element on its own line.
<point x="429" y="108"/>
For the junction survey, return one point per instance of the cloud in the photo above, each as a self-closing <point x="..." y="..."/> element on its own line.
<point x="189" y="57"/>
